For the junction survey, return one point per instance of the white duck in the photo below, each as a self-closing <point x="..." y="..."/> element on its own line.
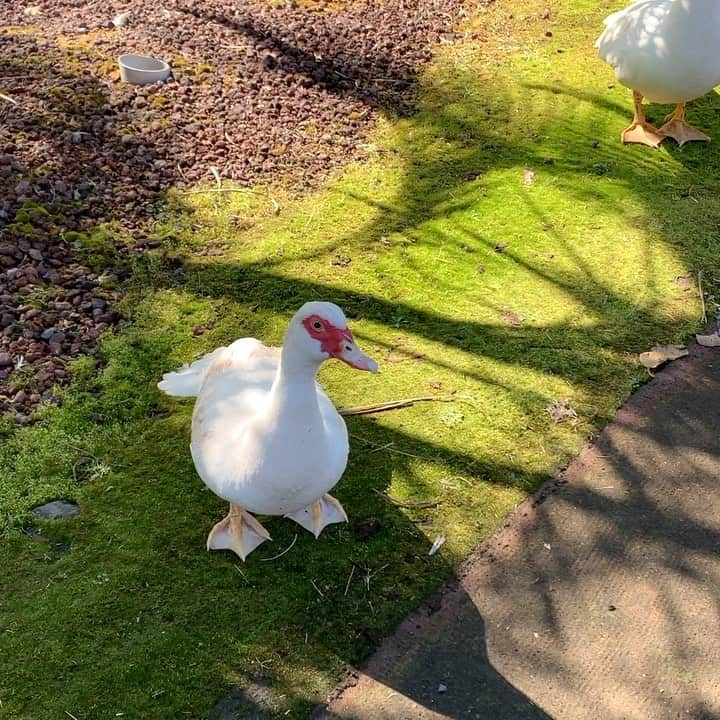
<point x="669" y="52"/>
<point x="265" y="437"/>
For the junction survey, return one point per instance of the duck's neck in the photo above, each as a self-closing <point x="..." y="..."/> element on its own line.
<point x="293" y="393"/>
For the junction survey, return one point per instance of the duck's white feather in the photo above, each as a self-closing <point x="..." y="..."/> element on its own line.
<point x="667" y="50"/>
<point x="186" y="380"/>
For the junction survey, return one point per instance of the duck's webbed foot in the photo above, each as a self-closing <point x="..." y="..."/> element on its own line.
<point x="679" y="129"/>
<point x="643" y="133"/>
<point x="640" y="130"/>
<point x="239" y="532"/>
<point x="324" y="511"/>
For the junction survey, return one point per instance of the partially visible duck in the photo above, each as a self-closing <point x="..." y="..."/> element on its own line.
<point x="265" y="437"/>
<point x="667" y="51"/>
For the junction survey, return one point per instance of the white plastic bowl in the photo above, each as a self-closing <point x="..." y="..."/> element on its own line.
<point x="140" y="70"/>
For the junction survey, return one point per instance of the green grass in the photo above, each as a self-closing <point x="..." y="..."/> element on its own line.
<point x="122" y="610"/>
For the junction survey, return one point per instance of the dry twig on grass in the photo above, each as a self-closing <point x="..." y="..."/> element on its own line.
<point x="287" y="549"/>
<point x="397" y="404"/>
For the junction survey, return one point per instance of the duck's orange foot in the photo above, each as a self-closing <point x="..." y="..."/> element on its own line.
<point x="643" y="133"/>
<point x="239" y="532"/>
<point x="318" y="514"/>
<point x="681" y="131"/>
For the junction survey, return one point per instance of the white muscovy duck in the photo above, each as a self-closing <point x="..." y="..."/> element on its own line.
<point x="265" y="437"/>
<point x="669" y="52"/>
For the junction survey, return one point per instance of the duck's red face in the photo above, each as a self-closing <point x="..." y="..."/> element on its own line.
<point x="338" y="342"/>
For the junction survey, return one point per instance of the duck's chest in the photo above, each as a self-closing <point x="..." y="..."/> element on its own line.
<point x="287" y="469"/>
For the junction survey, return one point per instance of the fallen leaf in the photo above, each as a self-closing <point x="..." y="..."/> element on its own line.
<point x="561" y="410"/>
<point x="528" y="176"/>
<point x="436" y="384"/>
<point x="500" y="247"/>
<point x="511" y="318"/>
<point x="661" y="354"/>
<point x="712" y="340"/>
<point x="684" y="281"/>
<point x="480" y="268"/>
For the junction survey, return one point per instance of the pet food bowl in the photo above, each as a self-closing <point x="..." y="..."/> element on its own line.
<point x="140" y="70"/>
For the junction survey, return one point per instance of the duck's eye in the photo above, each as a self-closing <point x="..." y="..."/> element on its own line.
<point x="317" y="325"/>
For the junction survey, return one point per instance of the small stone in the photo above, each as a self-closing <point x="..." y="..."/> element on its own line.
<point x="269" y="62"/>
<point x="47" y="333"/>
<point x="442" y="688"/>
<point x="56" y="509"/>
<point x="5" y="359"/>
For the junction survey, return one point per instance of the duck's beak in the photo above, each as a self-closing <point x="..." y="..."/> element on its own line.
<point x="351" y="354"/>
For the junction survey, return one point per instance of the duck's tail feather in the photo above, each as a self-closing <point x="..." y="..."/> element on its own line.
<point x="187" y="380"/>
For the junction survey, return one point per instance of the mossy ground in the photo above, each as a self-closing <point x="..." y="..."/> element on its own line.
<point x="434" y="247"/>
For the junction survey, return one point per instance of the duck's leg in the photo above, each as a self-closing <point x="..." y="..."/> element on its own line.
<point x="324" y="511"/>
<point x="640" y="130"/>
<point x="679" y="129"/>
<point x="239" y="532"/>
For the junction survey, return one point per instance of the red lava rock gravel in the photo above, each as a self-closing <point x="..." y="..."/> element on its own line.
<point x="267" y="92"/>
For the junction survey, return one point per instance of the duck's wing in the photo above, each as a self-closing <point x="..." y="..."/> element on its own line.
<point x="234" y="388"/>
<point x="247" y="357"/>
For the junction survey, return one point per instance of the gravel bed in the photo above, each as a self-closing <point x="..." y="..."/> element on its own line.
<point x="266" y="92"/>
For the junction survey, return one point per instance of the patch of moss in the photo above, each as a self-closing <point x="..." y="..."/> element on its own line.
<point x="99" y="248"/>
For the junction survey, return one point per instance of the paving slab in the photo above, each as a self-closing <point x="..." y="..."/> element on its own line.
<point x="600" y="597"/>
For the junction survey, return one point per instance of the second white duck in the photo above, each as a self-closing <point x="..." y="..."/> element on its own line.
<point x="265" y="437"/>
<point x="668" y="52"/>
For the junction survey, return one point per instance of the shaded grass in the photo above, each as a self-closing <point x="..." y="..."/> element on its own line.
<point x="136" y="618"/>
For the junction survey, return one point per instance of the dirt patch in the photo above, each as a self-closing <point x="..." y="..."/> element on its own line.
<point x="264" y="92"/>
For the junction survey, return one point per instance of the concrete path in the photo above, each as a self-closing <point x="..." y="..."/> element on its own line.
<point x="598" y="600"/>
